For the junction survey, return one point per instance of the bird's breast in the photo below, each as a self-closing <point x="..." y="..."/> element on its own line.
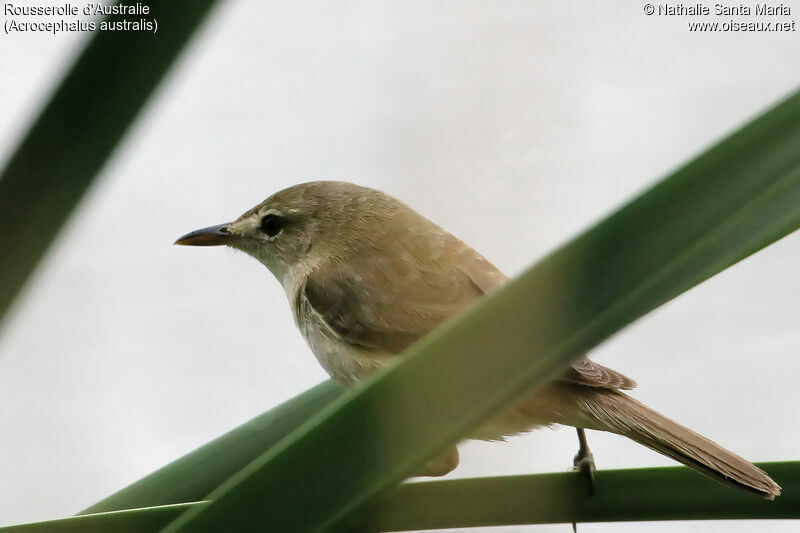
<point x="346" y="363"/>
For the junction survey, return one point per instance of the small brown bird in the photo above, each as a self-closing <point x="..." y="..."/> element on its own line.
<point x="366" y="276"/>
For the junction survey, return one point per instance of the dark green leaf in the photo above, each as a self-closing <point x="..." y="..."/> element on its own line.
<point x="674" y="493"/>
<point x="195" y="475"/>
<point x="130" y="521"/>
<point x="79" y="128"/>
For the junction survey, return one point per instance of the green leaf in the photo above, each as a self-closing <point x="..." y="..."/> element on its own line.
<point x="79" y="128"/>
<point x="196" y="474"/>
<point x="129" y="521"/>
<point x="674" y="493"/>
<point x="741" y="195"/>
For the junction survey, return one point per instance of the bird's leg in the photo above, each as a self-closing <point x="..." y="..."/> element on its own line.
<point x="584" y="460"/>
<point x="584" y="463"/>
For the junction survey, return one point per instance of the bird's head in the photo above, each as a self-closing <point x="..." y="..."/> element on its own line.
<point x="304" y="222"/>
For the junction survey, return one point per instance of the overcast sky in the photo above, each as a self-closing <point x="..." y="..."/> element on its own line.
<point x="512" y="124"/>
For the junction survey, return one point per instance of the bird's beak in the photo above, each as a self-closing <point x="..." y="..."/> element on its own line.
<point x="210" y="236"/>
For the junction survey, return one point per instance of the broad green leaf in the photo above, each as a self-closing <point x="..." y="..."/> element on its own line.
<point x="738" y="197"/>
<point x="78" y="129"/>
<point x="128" y="521"/>
<point x="196" y="474"/>
<point x="674" y="493"/>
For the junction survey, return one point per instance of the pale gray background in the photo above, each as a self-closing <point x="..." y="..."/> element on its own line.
<point x="512" y="124"/>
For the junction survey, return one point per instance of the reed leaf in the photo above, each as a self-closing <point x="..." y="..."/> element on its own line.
<point x="196" y="474"/>
<point x="672" y="493"/>
<point x="78" y="129"/>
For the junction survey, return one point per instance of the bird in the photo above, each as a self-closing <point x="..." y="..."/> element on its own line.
<point x="366" y="276"/>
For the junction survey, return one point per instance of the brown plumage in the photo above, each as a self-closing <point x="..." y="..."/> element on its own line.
<point x="367" y="276"/>
<point x="613" y="411"/>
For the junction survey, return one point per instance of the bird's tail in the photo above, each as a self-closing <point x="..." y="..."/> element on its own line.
<point x="618" y="413"/>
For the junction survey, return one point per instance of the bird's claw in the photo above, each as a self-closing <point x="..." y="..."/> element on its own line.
<point x="584" y="463"/>
<point x="584" y="460"/>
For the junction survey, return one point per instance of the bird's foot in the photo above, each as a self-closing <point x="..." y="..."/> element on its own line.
<point x="584" y="460"/>
<point x="584" y="463"/>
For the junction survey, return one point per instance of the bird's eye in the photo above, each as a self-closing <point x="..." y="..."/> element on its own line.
<point x="271" y="225"/>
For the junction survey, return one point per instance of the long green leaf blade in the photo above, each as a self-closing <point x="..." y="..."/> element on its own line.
<point x="199" y="472"/>
<point x="736" y="198"/>
<point x="673" y="493"/>
<point x="79" y="128"/>
<point x="128" y="521"/>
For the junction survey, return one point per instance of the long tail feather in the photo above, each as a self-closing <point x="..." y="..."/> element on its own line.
<point x="619" y="413"/>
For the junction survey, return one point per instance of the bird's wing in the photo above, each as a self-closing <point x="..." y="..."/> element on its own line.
<point x="584" y="371"/>
<point x="383" y="308"/>
<point x="587" y="372"/>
